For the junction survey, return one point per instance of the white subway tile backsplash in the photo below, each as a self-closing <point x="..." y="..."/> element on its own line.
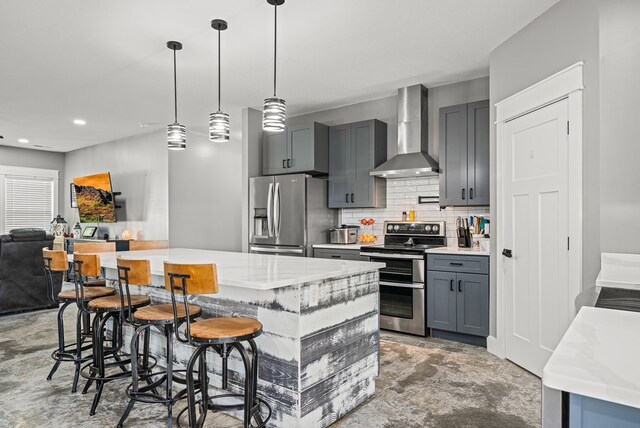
<point x="402" y="195"/>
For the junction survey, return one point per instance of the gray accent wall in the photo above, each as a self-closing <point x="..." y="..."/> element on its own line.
<point x="205" y="192"/>
<point x="619" y="141"/>
<point x="251" y="162"/>
<point x="139" y="169"/>
<point x="565" y="34"/>
<point x="30" y="158"/>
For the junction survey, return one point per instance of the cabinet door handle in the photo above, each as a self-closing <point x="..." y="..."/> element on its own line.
<point x="346" y="197"/>
<point x="456" y="264"/>
<point x="460" y="285"/>
<point x="470" y="192"/>
<point x="451" y="285"/>
<point x="352" y="200"/>
<point x="463" y="193"/>
<point x="333" y="256"/>
<point x="284" y="164"/>
<point x="288" y="163"/>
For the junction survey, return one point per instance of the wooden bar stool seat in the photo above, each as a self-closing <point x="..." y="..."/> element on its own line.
<point x="164" y="313"/>
<point x="116" y="302"/>
<point x="89" y="293"/>
<point x="232" y="329"/>
<point x="223" y="335"/>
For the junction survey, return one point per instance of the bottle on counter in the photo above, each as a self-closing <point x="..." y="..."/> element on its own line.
<point x="404" y="216"/>
<point x="412" y="215"/>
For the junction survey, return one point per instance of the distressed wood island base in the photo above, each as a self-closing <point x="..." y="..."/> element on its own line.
<point x="319" y="351"/>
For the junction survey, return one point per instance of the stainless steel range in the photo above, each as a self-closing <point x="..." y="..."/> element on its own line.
<point x="402" y="287"/>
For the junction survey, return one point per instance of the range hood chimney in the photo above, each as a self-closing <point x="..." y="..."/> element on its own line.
<point x="412" y="159"/>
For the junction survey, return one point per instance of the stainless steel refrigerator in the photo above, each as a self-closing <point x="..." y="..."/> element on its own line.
<point x="288" y="214"/>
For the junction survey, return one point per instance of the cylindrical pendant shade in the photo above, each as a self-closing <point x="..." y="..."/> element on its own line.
<point x="273" y="114"/>
<point x="219" y="127"/>
<point x="176" y="137"/>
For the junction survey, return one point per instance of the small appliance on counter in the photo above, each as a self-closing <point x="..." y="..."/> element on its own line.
<point x="345" y="234"/>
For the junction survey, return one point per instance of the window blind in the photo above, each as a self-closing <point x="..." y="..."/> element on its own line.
<point x="28" y="202"/>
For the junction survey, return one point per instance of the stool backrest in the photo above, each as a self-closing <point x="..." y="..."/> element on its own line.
<point x="55" y="260"/>
<point x="138" y="271"/>
<point x="201" y="278"/>
<point x="148" y="245"/>
<point x="94" y="247"/>
<point x="90" y="264"/>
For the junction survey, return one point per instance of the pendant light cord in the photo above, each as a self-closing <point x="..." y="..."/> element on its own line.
<point x="175" y="89"/>
<point x="275" y="44"/>
<point x="219" y="76"/>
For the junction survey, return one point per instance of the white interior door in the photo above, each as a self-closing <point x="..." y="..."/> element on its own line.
<point x="536" y="230"/>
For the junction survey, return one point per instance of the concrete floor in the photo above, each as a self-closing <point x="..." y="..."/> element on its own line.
<point x="422" y="383"/>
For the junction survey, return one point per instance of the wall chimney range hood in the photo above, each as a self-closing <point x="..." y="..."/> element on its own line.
<point x="412" y="159"/>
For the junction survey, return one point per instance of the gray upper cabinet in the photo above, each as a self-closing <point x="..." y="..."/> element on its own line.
<point x="354" y="150"/>
<point x="300" y="148"/>
<point x="464" y="154"/>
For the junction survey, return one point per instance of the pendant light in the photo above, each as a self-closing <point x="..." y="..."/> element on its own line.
<point x="219" y="121"/>
<point x="176" y="133"/>
<point x="273" y="113"/>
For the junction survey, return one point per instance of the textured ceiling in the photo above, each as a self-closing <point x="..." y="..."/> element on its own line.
<point x="106" y="61"/>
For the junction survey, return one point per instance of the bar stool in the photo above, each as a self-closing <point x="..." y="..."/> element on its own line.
<point x="94" y="248"/>
<point x="56" y="261"/>
<point x="116" y="308"/>
<point x="144" y="319"/>
<point x="223" y="335"/>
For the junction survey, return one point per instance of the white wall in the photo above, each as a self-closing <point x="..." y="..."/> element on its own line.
<point x="619" y="141"/>
<point x="251" y="163"/>
<point x="139" y="169"/>
<point x="29" y="158"/>
<point x="205" y="192"/>
<point x="565" y="34"/>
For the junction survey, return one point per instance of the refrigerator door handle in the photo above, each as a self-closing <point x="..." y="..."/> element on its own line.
<point x="269" y="209"/>
<point x="276" y="211"/>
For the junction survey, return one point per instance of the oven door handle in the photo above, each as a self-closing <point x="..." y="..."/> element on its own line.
<point x="418" y="285"/>
<point x="392" y="256"/>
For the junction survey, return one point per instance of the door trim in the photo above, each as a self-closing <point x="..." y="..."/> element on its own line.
<point x="567" y="83"/>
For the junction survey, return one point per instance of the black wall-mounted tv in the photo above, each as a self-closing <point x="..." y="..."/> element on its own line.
<point x="95" y="198"/>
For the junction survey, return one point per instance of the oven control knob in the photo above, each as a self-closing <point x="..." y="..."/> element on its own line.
<point x="435" y="228"/>
<point x="427" y="228"/>
<point x="390" y="228"/>
<point x="396" y="227"/>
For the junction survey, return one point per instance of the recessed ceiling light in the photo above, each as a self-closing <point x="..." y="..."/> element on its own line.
<point x="79" y="122"/>
<point x="23" y="140"/>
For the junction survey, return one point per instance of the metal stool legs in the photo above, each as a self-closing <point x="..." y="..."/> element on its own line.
<point x="72" y="351"/>
<point x="251" y="403"/>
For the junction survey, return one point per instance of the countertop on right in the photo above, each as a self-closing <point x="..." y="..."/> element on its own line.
<point x="598" y="357"/>
<point x="458" y="251"/>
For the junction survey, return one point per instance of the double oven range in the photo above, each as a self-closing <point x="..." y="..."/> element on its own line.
<point x="402" y="280"/>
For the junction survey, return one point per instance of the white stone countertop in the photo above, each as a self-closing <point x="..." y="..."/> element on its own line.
<point x="458" y="251"/>
<point x="256" y="271"/>
<point x="619" y="270"/>
<point x="339" y="246"/>
<point x="598" y="357"/>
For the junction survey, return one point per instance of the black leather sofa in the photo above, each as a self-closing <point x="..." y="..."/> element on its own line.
<point x="23" y="285"/>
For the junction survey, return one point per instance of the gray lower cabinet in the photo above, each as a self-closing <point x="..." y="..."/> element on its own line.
<point x="300" y="148"/>
<point x="464" y="154"/>
<point x="339" y="254"/>
<point x="458" y="301"/>
<point x="354" y="150"/>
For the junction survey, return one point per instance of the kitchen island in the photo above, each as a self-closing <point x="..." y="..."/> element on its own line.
<point x="319" y="351"/>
